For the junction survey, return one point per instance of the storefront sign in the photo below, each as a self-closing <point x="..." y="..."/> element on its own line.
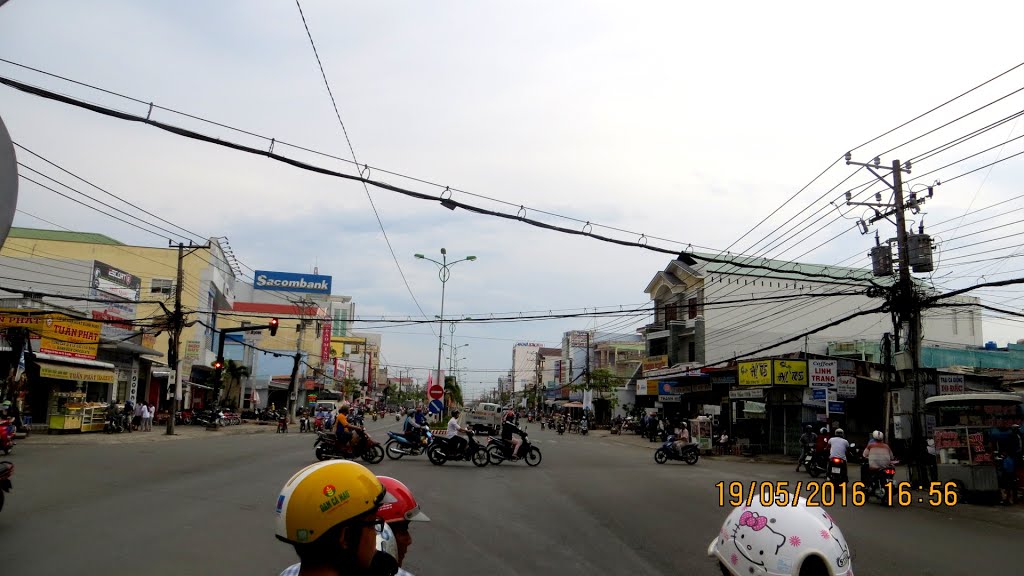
<point x="836" y="407"/>
<point x="646" y="387"/>
<point x="846" y="386"/>
<point x="192" y="349"/>
<point x="790" y="372"/>
<point x="669" y="398"/>
<point x="951" y="384"/>
<point x="823" y="372"/>
<point x="75" y="373"/>
<point x="325" y="344"/>
<point x="666" y="387"/>
<point x="133" y="382"/>
<point x="655" y="362"/>
<point x="149" y="340"/>
<point x="746" y="394"/>
<point x="58" y="334"/>
<point x="291" y="282"/>
<point x="723" y="379"/>
<point x="757" y="373"/>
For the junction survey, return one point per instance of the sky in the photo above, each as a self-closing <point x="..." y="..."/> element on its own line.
<point x="685" y="122"/>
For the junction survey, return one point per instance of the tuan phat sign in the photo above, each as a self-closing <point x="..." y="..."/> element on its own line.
<point x="823" y="372"/>
<point x="58" y="334"/>
<point x="291" y="282"/>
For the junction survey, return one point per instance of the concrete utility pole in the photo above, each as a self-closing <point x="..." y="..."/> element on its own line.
<point x="536" y="400"/>
<point x="293" y="386"/>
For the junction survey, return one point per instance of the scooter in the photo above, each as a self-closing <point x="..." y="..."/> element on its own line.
<point x="6" y="471"/>
<point x="815" y="463"/>
<point x="584" y="427"/>
<point x="326" y="448"/>
<point x="441" y="451"/>
<point x="689" y="453"/>
<point x="879" y="482"/>
<point x="561" y="427"/>
<point x="398" y="445"/>
<point x="7" y="435"/>
<point x="282" y="424"/>
<point x="498" y="451"/>
<point x="837" y="471"/>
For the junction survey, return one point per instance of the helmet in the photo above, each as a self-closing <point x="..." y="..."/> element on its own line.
<point x="823" y="430"/>
<point x="877" y="435"/>
<point x="399" y="504"/>
<point x="385" y="560"/>
<point x="322" y="496"/>
<point x="777" y="540"/>
<point x="808" y="428"/>
<point x="839" y="432"/>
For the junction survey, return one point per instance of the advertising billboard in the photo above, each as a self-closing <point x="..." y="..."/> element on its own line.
<point x="120" y="290"/>
<point x="291" y="282"/>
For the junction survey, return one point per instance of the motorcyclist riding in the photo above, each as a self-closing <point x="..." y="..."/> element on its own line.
<point x="457" y="434"/>
<point x="877" y="454"/>
<point x="508" y="432"/>
<point x="344" y="430"/>
<point x="807" y="442"/>
<point x="838" y="445"/>
<point x="411" y="427"/>
<point x="682" y="438"/>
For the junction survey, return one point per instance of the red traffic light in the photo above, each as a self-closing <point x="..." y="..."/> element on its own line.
<point x="217" y="365"/>
<point x="273" y="326"/>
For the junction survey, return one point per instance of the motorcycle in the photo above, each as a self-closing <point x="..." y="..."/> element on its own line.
<point x="282" y="424"/>
<point x="689" y="453"/>
<point x="499" y="450"/>
<point x="6" y="471"/>
<point x="7" y="435"/>
<point x="879" y="482"/>
<point x="441" y="451"/>
<point x="561" y="427"/>
<point x="584" y="427"/>
<point x="304" y="424"/>
<point x="326" y="448"/>
<point x="815" y="463"/>
<point x="837" y="471"/>
<point x="398" y="445"/>
<point x="374" y="416"/>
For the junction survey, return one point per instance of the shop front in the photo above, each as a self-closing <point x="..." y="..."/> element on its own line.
<point x="70" y="394"/>
<point x="771" y="411"/>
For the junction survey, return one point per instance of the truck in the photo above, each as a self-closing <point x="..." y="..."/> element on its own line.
<point x="484" y="417"/>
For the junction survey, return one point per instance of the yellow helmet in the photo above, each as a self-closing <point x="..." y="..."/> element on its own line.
<point x="323" y="495"/>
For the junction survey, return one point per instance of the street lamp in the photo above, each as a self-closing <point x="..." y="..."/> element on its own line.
<point x="443" y="273"/>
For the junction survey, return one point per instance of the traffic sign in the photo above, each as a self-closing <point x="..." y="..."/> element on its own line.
<point x="435" y="406"/>
<point x="436" y="392"/>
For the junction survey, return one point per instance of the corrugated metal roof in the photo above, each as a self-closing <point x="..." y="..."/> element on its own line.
<point x="62" y="236"/>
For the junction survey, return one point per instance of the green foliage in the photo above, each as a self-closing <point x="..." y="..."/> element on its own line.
<point x="452" y="390"/>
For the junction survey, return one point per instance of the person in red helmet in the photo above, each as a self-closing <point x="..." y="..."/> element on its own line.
<point x="398" y="509"/>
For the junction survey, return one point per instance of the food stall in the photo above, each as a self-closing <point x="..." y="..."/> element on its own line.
<point x="70" y="412"/>
<point x="964" y="428"/>
<point x="700" y="433"/>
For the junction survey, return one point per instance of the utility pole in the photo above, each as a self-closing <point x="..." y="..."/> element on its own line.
<point x="293" y="386"/>
<point x="588" y="361"/>
<point x="903" y="300"/>
<point x="174" y="340"/>
<point x="536" y="401"/>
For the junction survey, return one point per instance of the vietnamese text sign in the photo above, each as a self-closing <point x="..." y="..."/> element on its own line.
<point x="823" y="372"/>
<point x="669" y="398"/>
<point x="951" y="383"/>
<point x="790" y="372"/>
<point x="836" y="407"/>
<point x="192" y="349"/>
<point x="757" y="373"/>
<point x="655" y="362"/>
<point x="58" y="334"/>
<point x="325" y="344"/>
<point x="746" y="394"/>
<point x="291" y="282"/>
<point x="846" y="386"/>
<point x="75" y="373"/>
<point x="646" y="387"/>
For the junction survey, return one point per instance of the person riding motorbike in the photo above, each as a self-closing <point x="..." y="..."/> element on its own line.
<point x="807" y="442"/>
<point x="457" y="434"/>
<point x="411" y="429"/>
<point x="682" y="439"/>
<point x="781" y="539"/>
<point x="508" y="432"/>
<point x="877" y="455"/>
<point x="328" y="512"/>
<point x="399" y="509"/>
<point x="838" y="445"/>
<point x="344" y="430"/>
<point x="821" y="442"/>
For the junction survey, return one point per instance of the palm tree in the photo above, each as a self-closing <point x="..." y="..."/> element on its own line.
<point x="453" y="391"/>
<point x="231" y="377"/>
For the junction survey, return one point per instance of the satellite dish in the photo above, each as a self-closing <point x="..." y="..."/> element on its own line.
<point x="8" y="182"/>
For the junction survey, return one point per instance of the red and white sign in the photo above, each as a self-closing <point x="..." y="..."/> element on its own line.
<point x="325" y="344"/>
<point x="823" y="372"/>
<point x="436" y="392"/>
<point x="951" y="384"/>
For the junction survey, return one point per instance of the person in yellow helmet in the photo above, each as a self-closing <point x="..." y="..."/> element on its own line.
<point x="328" y="512"/>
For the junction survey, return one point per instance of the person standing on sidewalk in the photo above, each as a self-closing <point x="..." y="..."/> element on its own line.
<point x="137" y="419"/>
<point x="147" y="417"/>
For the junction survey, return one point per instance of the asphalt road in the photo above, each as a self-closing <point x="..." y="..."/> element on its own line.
<point x="595" y="505"/>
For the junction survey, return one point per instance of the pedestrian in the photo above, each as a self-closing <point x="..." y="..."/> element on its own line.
<point x="137" y="417"/>
<point x="147" y="416"/>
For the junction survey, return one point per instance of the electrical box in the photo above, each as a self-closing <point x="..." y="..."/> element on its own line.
<point x="881" y="260"/>
<point x="919" y="251"/>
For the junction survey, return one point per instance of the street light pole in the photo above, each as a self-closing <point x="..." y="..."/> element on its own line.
<point x="443" y="273"/>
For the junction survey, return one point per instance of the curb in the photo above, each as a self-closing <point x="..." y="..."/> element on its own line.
<point x="157" y="435"/>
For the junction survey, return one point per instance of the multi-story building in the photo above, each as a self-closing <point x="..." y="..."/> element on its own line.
<point x="524" y="367"/>
<point x="105" y="280"/>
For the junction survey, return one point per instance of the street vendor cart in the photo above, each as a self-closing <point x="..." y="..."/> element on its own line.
<point x="70" y="412"/>
<point x="965" y="426"/>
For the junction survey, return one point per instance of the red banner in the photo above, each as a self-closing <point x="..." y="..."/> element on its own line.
<point x="325" y="344"/>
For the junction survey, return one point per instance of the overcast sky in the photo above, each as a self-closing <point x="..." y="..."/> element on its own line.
<point x="685" y="121"/>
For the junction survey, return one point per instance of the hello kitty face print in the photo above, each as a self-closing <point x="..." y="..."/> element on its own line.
<point x="844" y="553"/>
<point x="755" y="540"/>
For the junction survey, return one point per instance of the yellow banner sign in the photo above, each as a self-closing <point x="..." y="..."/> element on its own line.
<point x="791" y="372"/>
<point x="655" y="362"/>
<point x="758" y="373"/>
<point x="59" y="335"/>
<point x="75" y="373"/>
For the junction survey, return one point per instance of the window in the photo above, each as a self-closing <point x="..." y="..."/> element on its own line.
<point x="691" y="308"/>
<point x="160" y="286"/>
<point x="691" y="351"/>
<point x="670" y="312"/>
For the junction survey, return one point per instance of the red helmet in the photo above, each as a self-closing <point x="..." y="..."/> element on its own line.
<point x="399" y="504"/>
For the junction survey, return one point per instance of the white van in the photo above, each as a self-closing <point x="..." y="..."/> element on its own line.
<point x="484" y="417"/>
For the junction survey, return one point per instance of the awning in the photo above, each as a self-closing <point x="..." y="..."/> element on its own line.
<point x="37" y="356"/>
<point x="277" y="385"/>
<point x="203" y="386"/>
<point x="573" y="405"/>
<point x="130" y="347"/>
<point x="75" y="373"/>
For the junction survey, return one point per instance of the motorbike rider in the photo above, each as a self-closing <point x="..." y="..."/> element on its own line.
<point x="807" y="443"/>
<point x="877" y="454"/>
<point x="682" y="438"/>
<point x="411" y="427"/>
<point x="821" y="442"/>
<point x="798" y="540"/>
<point x="457" y="434"/>
<point x="399" y="509"/>
<point x="838" y="445"/>
<point x="344" y="430"/>
<point x="328" y="512"/>
<point x="508" y="432"/>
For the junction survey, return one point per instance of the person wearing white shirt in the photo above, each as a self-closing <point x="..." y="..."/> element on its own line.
<point x="147" y="416"/>
<point x="838" y="445"/>
<point x="456" y="434"/>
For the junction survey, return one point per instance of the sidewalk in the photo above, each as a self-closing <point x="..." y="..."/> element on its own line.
<point x="631" y="438"/>
<point x="158" y="434"/>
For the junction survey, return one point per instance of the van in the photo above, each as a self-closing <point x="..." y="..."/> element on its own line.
<point x="329" y="405"/>
<point x="484" y="418"/>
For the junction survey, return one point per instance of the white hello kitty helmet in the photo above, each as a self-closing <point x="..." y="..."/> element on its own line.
<point x="781" y="539"/>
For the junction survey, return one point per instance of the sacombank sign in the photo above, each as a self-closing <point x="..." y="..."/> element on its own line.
<point x="291" y="282"/>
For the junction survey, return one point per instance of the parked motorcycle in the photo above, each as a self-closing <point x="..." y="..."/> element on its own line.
<point x="441" y="451"/>
<point x="6" y="471"/>
<point x="398" y="445"/>
<point x="7" y="435"/>
<point x="689" y="453"/>
<point x="326" y="448"/>
<point x="499" y="450"/>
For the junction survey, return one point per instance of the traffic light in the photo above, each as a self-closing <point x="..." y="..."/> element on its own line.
<point x="218" y="365"/>
<point x="273" y="326"/>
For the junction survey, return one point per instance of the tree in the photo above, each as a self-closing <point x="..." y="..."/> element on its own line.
<point x="231" y="380"/>
<point x="453" y="391"/>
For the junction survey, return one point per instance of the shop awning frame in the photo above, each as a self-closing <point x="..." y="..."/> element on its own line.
<point x="41" y="356"/>
<point x="75" y="373"/>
